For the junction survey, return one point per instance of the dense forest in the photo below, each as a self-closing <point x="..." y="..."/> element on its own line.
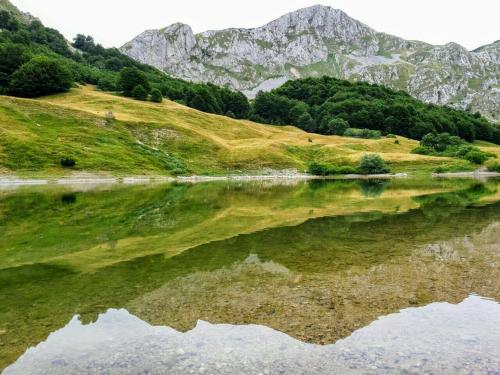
<point x="36" y="60"/>
<point x="330" y="106"/>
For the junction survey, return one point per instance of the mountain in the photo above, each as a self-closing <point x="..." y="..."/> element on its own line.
<point x="318" y="41"/>
<point x="20" y="16"/>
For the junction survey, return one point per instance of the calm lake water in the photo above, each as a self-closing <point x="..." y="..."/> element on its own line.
<point x="264" y="277"/>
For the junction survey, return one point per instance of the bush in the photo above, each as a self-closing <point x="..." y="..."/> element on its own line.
<point x="476" y="157"/>
<point x="390" y="136"/>
<point x="140" y="93"/>
<point x="336" y="126"/>
<point x="493" y="166"/>
<point x="373" y="164"/>
<point x="40" y="76"/>
<point x="68" y="162"/>
<point x="106" y="84"/>
<point x="440" y="142"/>
<point x="363" y="133"/>
<point x="156" y="96"/>
<point x="130" y="78"/>
<point x="318" y="169"/>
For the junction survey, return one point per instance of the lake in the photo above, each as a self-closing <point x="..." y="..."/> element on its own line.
<point x="263" y="277"/>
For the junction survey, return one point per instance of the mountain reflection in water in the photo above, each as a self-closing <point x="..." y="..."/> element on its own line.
<point x="318" y="261"/>
<point x="438" y="338"/>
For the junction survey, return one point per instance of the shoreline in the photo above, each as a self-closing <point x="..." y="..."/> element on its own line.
<point x="15" y="181"/>
<point x="12" y="181"/>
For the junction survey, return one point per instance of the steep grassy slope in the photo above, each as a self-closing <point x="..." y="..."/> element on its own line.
<point x="167" y="139"/>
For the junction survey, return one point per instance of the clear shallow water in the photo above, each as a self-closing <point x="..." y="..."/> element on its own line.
<point x="438" y="338"/>
<point x="325" y="277"/>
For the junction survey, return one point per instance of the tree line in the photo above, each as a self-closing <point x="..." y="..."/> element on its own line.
<point x="330" y="106"/>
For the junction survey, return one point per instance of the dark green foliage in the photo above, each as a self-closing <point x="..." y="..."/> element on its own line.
<point x="139" y="93"/>
<point x="476" y="157"/>
<point x="318" y="169"/>
<point x="68" y="162"/>
<point x="366" y="106"/>
<point x="130" y="79"/>
<point x="336" y="126"/>
<point x="40" y="76"/>
<point x="12" y="57"/>
<point x="493" y="166"/>
<point x="451" y="146"/>
<point x="96" y="65"/>
<point x="107" y="83"/>
<point x="440" y="142"/>
<point x="363" y="133"/>
<point x="373" y="188"/>
<point x="373" y="164"/>
<point x="156" y="96"/>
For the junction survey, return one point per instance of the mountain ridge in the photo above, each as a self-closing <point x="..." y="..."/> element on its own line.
<point x="321" y="40"/>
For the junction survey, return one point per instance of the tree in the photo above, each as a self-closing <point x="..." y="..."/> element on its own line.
<point x="12" y="57"/>
<point x="130" y="78"/>
<point x="156" y="96"/>
<point x="106" y="83"/>
<point x="139" y="93"/>
<point x="373" y="164"/>
<point x="41" y="76"/>
<point x="336" y="126"/>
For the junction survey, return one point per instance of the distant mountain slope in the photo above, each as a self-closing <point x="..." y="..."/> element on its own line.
<point x="320" y="41"/>
<point x="21" y="16"/>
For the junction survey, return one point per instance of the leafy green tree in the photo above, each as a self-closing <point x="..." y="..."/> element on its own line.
<point x="373" y="164"/>
<point x="41" y="76"/>
<point x="130" y="78"/>
<point x="106" y="83"/>
<point x="476" y="157"/>
<point x="12" y="56"/>
<point x="156" y="96"/>
<point x="139" y="93"/>
<point x="336" y="126"/>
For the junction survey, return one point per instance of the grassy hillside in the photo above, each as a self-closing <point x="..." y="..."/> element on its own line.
<point x="168" y="139"/>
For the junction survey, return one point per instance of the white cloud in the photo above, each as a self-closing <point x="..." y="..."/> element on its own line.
<point x="114" y="22"/>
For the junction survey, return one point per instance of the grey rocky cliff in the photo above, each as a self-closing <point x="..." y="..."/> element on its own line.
<point x="320" y="41"/>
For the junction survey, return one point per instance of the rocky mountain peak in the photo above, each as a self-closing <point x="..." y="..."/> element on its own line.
<point x="321" y="40"/>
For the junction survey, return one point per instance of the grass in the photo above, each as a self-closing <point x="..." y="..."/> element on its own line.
<point x="169" y="139"/>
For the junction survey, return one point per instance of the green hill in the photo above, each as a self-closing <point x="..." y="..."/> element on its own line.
<point x="109" y="133"/>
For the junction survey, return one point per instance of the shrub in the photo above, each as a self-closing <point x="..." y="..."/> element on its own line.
<point x="68" y="162"/>
<point x="130" y="78"/>
<point x="139" y="93"/>
<point x="390" y="136"/>
<point x="40" y="76"/>
<point x="106" y="84"/>
<point x="493" y="166"/>
<point x="363" y="133"/>
<point x="336" y="126"/>
<point x="476" y="157"/>
<point x="440" y="142"/>
<point x="373" y="164"/>
<point x="346" y="170"/>
<point x="317" y="169"/>
<point x="156" y="96"/>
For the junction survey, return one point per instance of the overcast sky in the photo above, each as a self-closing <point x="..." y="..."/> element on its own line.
<point x="471" y="23"/>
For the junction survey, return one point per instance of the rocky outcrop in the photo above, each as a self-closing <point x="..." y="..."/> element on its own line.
<point x="320" y="41"/>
